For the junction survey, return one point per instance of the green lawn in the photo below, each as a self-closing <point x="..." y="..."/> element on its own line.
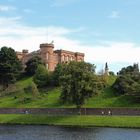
<point x="50" y="98"/>
<point x="82" y="121"/>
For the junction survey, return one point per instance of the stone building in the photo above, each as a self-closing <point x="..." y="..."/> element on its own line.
<point x="50" y="56"/>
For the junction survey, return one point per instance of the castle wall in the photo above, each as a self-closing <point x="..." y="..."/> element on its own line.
<point x="50" y="57"/>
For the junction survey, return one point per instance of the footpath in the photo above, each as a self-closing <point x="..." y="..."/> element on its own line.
<point x="73" y="111"/>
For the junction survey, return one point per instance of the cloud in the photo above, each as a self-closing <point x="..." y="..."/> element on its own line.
<point x="5" y="8"/>
<point x="114" y="15"/>
<point x="19" y="36"/>
<point x="61" y="3"/>
<point x="9" y="21"/>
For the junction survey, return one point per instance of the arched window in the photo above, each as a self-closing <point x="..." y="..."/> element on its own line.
<point x="63" y="58"/>
<point x="47" y="55"/>
<point x="67" y="58"/>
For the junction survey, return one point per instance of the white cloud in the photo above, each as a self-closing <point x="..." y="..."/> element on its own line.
<point x="60" y="3"/>
<point x="9" y="21"/>
<point x="5" y="8"/>
<point x="114" y="15"/>
<point x="13" y="34"/>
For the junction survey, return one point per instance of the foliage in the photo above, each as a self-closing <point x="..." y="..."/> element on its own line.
<point x="22" y="97"/>
<point x="10" y="66"/>
<point x="128" y="81"/>
<point x="32" y="64"/>
<point x="129" y="70"/>
<point x="32" y="88"/>
<point x="111" y="73"/>
<point x="78" y="83"/>
<point x="41" y="76"/>
<point x="103" y="79"/>
<point x="57" y="74"/>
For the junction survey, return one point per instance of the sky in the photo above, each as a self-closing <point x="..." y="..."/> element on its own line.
<point x="105" y="30"/>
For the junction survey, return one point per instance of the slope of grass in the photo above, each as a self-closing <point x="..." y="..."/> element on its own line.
<point x="109" y="98"/>
<point x="50" y="98"/>
<point x="47" y="98"/>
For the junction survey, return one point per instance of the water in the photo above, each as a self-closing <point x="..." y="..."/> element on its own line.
<point x="43" y="132"/>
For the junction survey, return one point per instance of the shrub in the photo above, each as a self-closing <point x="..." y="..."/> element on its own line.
<point x="41" y="77"/>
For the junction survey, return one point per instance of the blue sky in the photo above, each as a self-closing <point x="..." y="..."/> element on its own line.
<point x="105" y="30"/>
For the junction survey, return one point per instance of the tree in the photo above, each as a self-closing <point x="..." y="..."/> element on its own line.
<point x="78" y="83"/>
<point x="57" y="74"/>
<point x="111" y="73"/>
<point x="130" y="69"/>
<point x="41" y="76"/>
<point x="32" y="64"/>
<point x="10" y="66"/>
<point x="128" y="81"/>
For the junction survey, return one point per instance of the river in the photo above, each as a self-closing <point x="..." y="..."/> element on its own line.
<point x="44" y="132"/>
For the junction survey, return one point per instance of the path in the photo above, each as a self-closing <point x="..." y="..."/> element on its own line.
<point x="73" y="111"/>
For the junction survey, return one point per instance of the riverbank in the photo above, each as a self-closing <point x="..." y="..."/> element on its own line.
<point x="81" y="121"/>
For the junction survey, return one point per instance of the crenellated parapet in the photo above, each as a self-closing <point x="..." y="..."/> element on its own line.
<point x="51" y="57"/>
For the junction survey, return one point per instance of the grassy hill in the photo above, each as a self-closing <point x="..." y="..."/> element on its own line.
<point x="20" y="96"/>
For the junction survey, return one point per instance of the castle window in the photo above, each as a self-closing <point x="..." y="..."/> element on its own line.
<point x="47" y="66"/>
<point x="67" y="58"/>
<point x="47" y="56"/>
<point x="62" y="58"/>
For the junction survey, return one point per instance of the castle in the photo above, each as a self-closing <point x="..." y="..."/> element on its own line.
<point x="50" y="57"/>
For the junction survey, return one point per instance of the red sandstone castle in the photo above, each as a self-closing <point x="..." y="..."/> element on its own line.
<point x="50" y="56"/>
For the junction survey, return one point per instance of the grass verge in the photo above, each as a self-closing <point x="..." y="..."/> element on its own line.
<point x="81" y="121"/>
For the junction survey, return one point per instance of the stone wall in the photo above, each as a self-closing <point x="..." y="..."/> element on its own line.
<point x="73" y="111"/>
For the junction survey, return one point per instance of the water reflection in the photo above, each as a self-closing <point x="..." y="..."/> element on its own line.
<point x="43" y="132"/>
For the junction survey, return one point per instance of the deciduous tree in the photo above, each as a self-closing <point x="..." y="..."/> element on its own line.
<point x="78" y="83"/>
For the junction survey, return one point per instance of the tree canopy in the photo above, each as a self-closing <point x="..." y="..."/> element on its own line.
<point x="32" y="64"/>
<point x="128" y="81"/>
<point x="78" y="82"/>
<point x="41" y="76"/>
<point x="129" y="69"/>
<point x="58" y="72"/>
<point x="10" y="66"/>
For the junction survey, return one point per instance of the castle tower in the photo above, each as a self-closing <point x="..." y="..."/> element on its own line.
<point x="106" y="69"/>
<point x="46" y="51"/>
<point x="24" y="54"/>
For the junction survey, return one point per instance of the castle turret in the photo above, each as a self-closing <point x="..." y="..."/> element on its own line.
<point x="79" y="56"/>
<point x="24" y="56"/>
<point x="24" y="51"/>
<point x="46" y="51"/>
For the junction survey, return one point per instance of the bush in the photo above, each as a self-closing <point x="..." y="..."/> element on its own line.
<point x="25" y="100"/>
<point x="32" y="88"/>
<point x="41" y="77"/>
